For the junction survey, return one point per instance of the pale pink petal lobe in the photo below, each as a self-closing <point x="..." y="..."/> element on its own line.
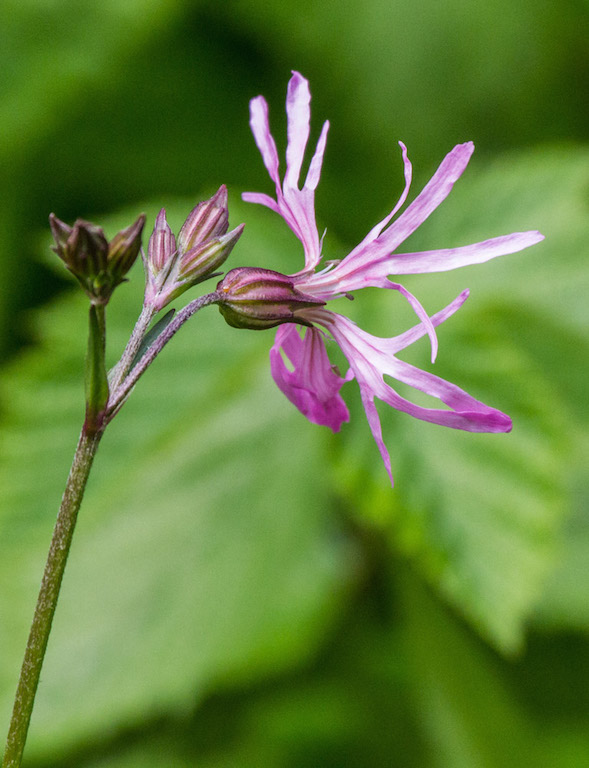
<point x="298" y="110"/>
<point x="264" y="140"/>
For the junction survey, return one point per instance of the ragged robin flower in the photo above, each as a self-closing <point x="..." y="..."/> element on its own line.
<point x="311" y="383"/>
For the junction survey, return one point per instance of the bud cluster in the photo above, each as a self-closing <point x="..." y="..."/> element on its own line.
<point x="261" y="298"/>
<point x="172" y="266"/>
<point x="98" y="265"/>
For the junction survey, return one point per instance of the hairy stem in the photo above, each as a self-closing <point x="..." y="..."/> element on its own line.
<point x="119" y="395"/>
<point x="48" y="594"/>
<point x="122" y="368"/>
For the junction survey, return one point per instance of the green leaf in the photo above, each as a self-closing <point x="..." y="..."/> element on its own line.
<point x="564" y="603"/>
<point x="205" y="554"/>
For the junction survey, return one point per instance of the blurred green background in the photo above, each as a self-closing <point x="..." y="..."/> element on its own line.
<point x="245" y="589"/>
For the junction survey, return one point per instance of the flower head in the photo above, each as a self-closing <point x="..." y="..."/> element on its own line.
<point x="203" y="246"/>
<point x="311" y="382"/>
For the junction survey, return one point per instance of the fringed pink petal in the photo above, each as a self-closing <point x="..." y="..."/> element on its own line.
<point x="298" y="111"/>
<point x="445" y="259"/>
<point x="371" y="359"/>
<point x="314" y="171"/>
<point x="313" y="385"/>
<point x="260" y="126"/>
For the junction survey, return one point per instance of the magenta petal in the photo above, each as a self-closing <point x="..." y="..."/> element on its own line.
<point x="371" y="359"/>
<point x="312" y="386"/>
<point x="264" y="140"/>
<point x="298" y="99"/>
<point x="375" y="427"/>
<point x="314" y="172"/>
<point x="446" y="259"/>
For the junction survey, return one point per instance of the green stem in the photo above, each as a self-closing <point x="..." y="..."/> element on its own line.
<point x="121" y="392"/>
<point x="48" y="594"/>
<point x="96" y="379"/>
<point x="123" y="367"/>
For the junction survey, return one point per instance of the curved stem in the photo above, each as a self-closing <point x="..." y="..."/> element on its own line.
<point x="48" y="594"/>
<point x="119" y="395"/>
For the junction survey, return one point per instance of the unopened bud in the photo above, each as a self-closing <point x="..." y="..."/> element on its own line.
<point x="162" y="244"/>
<point x="124" y="248"/>
<point x="261" y="298"/>
<point x="99" y="266"/>
<point x="208" y="219"/>
<point x="208" y="256"/>
<point x="83" y="247"/>
<point x="202" y="247"/>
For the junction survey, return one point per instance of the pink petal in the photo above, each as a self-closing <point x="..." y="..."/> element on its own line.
<point x="446" y="259"/>
<point x="421" y="314"/>
<point x="264" y="140"/>
<point x="297" y="207"/>
<point x="312" y="386"/>
<point x="371" y="359"/>
<point x="261" y="199"/>
<point x="434" y="193"/>
<point x="314" y="171"/>
<point x="298" y="99"/>
<point x="375" y="427"/>
<point x="397" y="343"/>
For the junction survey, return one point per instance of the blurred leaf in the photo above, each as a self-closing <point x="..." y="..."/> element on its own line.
<point x="53" y="55"/>
<point x="565" y="598"/>
<point x="472" y="710"/>
<point x="54" y="51"/>
<point x="204" y="554"/>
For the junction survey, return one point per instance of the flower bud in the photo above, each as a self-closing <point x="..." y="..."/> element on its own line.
<point x="261" y="298"/>
<point x="98" y="265"/>
<point x="207" y="220"/>
<point x="124" y="248"/>
<point x="208" y="256"/>
<point x="162" y="244"/>
<point x="202" y="247"/>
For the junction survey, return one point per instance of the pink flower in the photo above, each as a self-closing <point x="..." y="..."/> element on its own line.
<point x="311" y="382"/>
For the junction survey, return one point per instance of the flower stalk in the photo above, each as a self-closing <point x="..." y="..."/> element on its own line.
<point x="100" y="267"/>
<point x="96" y="379"/>
<point x="48" y="595"/>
